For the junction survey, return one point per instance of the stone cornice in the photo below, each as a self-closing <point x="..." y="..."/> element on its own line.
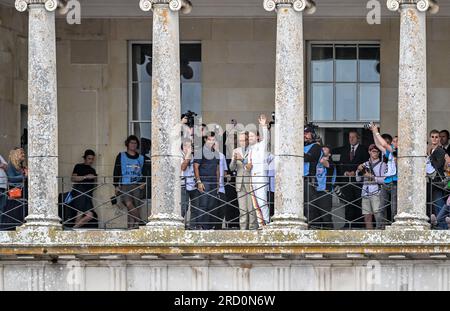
<point x="175" y="5"/>
<point x="179" y="243"/>
<point x="422" y="5"/>
<point x="298" y="5"/>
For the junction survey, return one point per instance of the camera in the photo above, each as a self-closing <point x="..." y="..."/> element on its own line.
<point x="367" y="126"/>
<point x="190" y="118"/>
<point x="272" y="123"/>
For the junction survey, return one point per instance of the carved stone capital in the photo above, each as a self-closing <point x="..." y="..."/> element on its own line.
<point x="298" y="5"/>
<point x="50" y="5"/>
<point x="421" y="5"/>
<point x="175" y="5"/>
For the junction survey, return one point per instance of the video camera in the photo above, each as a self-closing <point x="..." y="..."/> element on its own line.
<point x="190" y="118"/>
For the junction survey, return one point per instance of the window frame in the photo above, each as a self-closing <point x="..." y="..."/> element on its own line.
<point x="130" y="120"/>
<point x="337" y="123"/>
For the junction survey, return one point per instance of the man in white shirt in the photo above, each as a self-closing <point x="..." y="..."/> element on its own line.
<point x="3" y="184"/>
<point x="257" y="165"/>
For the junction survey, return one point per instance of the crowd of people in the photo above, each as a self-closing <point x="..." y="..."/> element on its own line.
<point x="237" y="191"/>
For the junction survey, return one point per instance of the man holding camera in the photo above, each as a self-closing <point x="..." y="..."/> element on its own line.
<point x="372" y="172"/>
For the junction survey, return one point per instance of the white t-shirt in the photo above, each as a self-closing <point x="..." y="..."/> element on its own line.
<point x="188" y="175"/>
<point x="222" y="168"/>
<point x="3" y="176"/>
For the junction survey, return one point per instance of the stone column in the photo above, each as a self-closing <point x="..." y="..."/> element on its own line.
<point x="412" y="113"/>
<point x="166" y="112"/>
<point x="289" y="110"/>
<point x="42" y="113"/>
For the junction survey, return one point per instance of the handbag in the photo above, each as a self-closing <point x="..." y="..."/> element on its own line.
<point x="15" y="193"/>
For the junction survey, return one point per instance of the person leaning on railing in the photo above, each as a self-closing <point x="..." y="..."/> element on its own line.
<point x="16" y="208"/>
<point x="84" y="178"/>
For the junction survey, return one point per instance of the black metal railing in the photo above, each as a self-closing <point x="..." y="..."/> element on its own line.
<point x="13" y="205"/>
<point x="103" y="204"/>
<point x="239" y="203"/>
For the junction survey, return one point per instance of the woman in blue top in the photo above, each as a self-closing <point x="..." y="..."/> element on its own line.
<point x="16" y="209"/>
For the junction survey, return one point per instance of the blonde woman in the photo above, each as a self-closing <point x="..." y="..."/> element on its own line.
<point x="16" y="209"/>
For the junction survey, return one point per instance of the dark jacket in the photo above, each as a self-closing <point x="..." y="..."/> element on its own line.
<point x="344" y="164"/>
<point x="437" y="159"/>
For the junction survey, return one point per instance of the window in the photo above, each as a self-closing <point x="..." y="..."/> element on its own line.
<point x="344" y="83"/>
<point x="140" y="114"/>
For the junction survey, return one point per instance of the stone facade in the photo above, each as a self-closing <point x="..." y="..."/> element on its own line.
<point x="225" y="275"/>
<point x="168" y="256"/>
<point x="238" y="58"/>
<point x="13" y="76"/>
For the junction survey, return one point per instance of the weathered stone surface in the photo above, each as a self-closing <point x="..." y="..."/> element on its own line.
<point x="42" y="117"/>
<point x="166" y="140"/>
<point x="412" y="119"/>
<point x="239" y="275"/>
<point x="289" y="107"/>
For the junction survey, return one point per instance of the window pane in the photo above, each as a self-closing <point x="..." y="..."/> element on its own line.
<point x="346" y="64"/>
<point x="141" y="62"/>
<point x="346" y="102"/>
<point x="322" y="63"/>
<point x="191" y="97"/>
<point x="143" y="131"/>
<point x="369" y="64"/>
<point x="322" y="101"/>
<point x="191" y="78"/>
<point x="369" y="102"/>
<point x="142" y="98"/>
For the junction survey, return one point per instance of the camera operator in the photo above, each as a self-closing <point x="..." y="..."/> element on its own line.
<point x="312" y="155"/>
<point x="373" y="176"/>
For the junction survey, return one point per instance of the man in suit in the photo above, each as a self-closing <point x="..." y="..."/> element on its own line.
<point x="247" y="215"/>
<point x="351" y="156"/>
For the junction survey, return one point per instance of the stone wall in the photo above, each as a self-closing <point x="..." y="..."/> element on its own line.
<point x="238" y="75"/>
<point x="13" y="76"/>
<point x="225" y="275"/>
